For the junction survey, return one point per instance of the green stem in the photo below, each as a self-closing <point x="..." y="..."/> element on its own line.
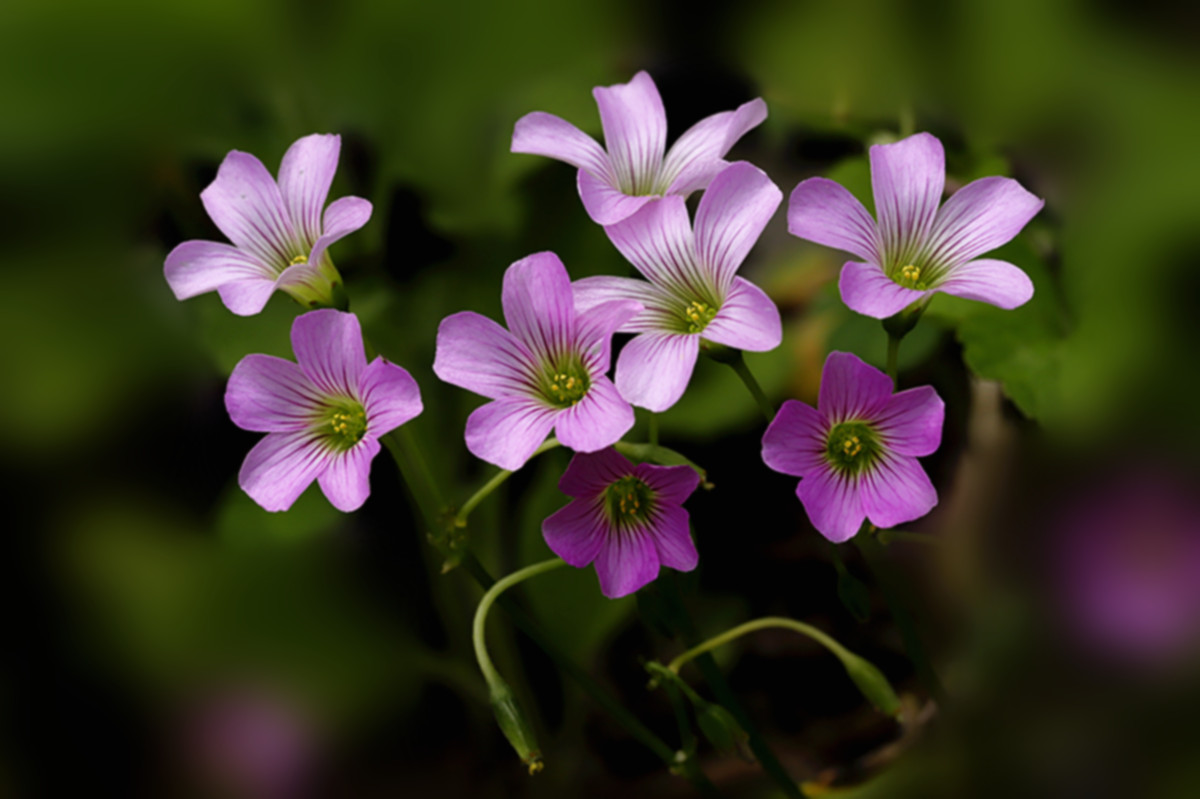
<point x="759" y="624"/>
<point x="738" y="364"/>
<point x="485" y="604"/>
<point x="416" y="473"/>
<point x="460" y="519"/>
<point x="725" y="696"/>
<point x="872" y="554"/>
<point x="893" y="355"/>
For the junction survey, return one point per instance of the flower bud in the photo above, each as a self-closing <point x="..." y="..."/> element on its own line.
<point x="719" y="726"/>
<point x="870" y="680"/>
<point x="514" y="725"/>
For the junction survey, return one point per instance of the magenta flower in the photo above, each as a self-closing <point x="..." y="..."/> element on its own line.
<point x="547" y="374"/>
<point x="693" y="291"/>
<point x="323" y="415"/>
<point x="633" y="171"/>
<point x="280" y="237"/>
<point x="857" y="451"/>
<point x="626" y="518"/>
<point x="917" y="249"/>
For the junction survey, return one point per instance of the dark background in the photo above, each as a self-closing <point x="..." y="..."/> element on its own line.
<point x="151" y="601"/>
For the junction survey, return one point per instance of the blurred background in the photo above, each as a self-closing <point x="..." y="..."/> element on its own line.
<point x="166" y="637"/>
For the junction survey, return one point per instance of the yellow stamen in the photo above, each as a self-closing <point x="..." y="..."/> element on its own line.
<point x="299" y="259"/>
<point x="852" y="446"/>
<point x="911" y="273"/>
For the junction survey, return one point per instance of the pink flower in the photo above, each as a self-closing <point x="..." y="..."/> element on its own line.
<point x="917" y="248"/>
<point x="614" y="184"/>
<point x="856" y="452"/>
<point x="323" y="415"/>
<point x="280" y="237"/>
<point x="628" y="519"/>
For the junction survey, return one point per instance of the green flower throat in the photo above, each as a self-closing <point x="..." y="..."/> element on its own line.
<point x="345" y="424"/>
<point x="628" y="501"/>
<point x="852" y="446"/>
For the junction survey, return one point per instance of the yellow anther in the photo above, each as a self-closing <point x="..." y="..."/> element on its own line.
<point x="852" y="446"/>
<point x="911" y="273"/>
<point x="299" y="259"/>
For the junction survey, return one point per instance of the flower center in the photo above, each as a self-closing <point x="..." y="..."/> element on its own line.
<point x="628" y="501"/>
<point x="345" y="424"/>
<point x="852" y="447"/>
<point x="697" y="315"/>
<point x="299" y="259"/>
<point x="910" y="277"/>
<point x="566" y="385"/>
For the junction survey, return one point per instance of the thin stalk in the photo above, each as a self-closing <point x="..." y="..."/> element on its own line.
<point x="460" y="519"/>
<point x="759" y="624"/>
<point x="738" y="364"/>
<point x="913" y="646"/>
<point x="725" y="696"/>
<point x="485" y="604"/>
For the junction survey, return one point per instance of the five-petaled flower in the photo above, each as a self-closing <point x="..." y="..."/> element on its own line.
<point x="693" y="290"/>
<point x="323" y="415"/>
<point x="917" y="249"/>
<point x="628" y="519"/>
<point x="857" y="451"/>
<point x="280" y="237"/>
<point x="615" y="184"/>
<point x="547" y="373"/>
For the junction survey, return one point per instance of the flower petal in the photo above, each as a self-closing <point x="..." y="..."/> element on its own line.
<point x="907" y="178"/>
<point x="281" y="466"/>
<point x="695" y="158"/>
<point x="748" y="319"/>
<point x="823" y="211"/>
<point x="505" y="432"/>
<point x="244" y="202"/>
<point x="268" y="394"/>
<point x="390" y="396"/>
<point x="658" y="241"/>
<point x="594" y="330"/>
<point x="995" y="282"/>
<point x="590" y="473"/>
<point x="476" y="353"/>
<point x="343" y="216"/>
<point x="852" y="389"/>
<point x="833" y="504"/>
<point x="867" y="290"/>
<point x="195" y="267"/>
<point x="540" y="133"/>
<point x="732" y="214"/>
<point x="656" y="302"/>
<point x="653" y="369"/>
<point x="668" y="529"/>
<point x="329" y="348"/>
<point x="539" y="306"/>
<point x="604" y="202"/>
<point x="635" y="131"/>
<point x="247" y="297"/>
<point x="577" y="532"/>
<point x="911" y="423"/>
<point x="895" y="491"/>
<point x="347" y="481"/>
<point x="672" y="484"/>
<point x="596" y="421"/>
<point x="980" y="217"/>
<point x="627" y="561"/>
<point x="794" y="442"/>
<point x="305" y="175"/>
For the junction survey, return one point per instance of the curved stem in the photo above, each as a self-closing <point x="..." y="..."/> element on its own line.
<point x="759" y="624"/>
<point x="738" y="364"/>
<point x="460" y="519"/>
<point x="485" y="604"/>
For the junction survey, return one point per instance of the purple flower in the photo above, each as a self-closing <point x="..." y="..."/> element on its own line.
<point x="1128" y="558"/>
<point x="693" y="291"/>
<point x="917" y="249"/>
<point x="280" y="238"/>
<point x="616" y="183"/>
<point x="857" y="451"/>
<point x="626" y="518"/>
<point x="547" y="374"/>
<point x="323" y="415"/>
